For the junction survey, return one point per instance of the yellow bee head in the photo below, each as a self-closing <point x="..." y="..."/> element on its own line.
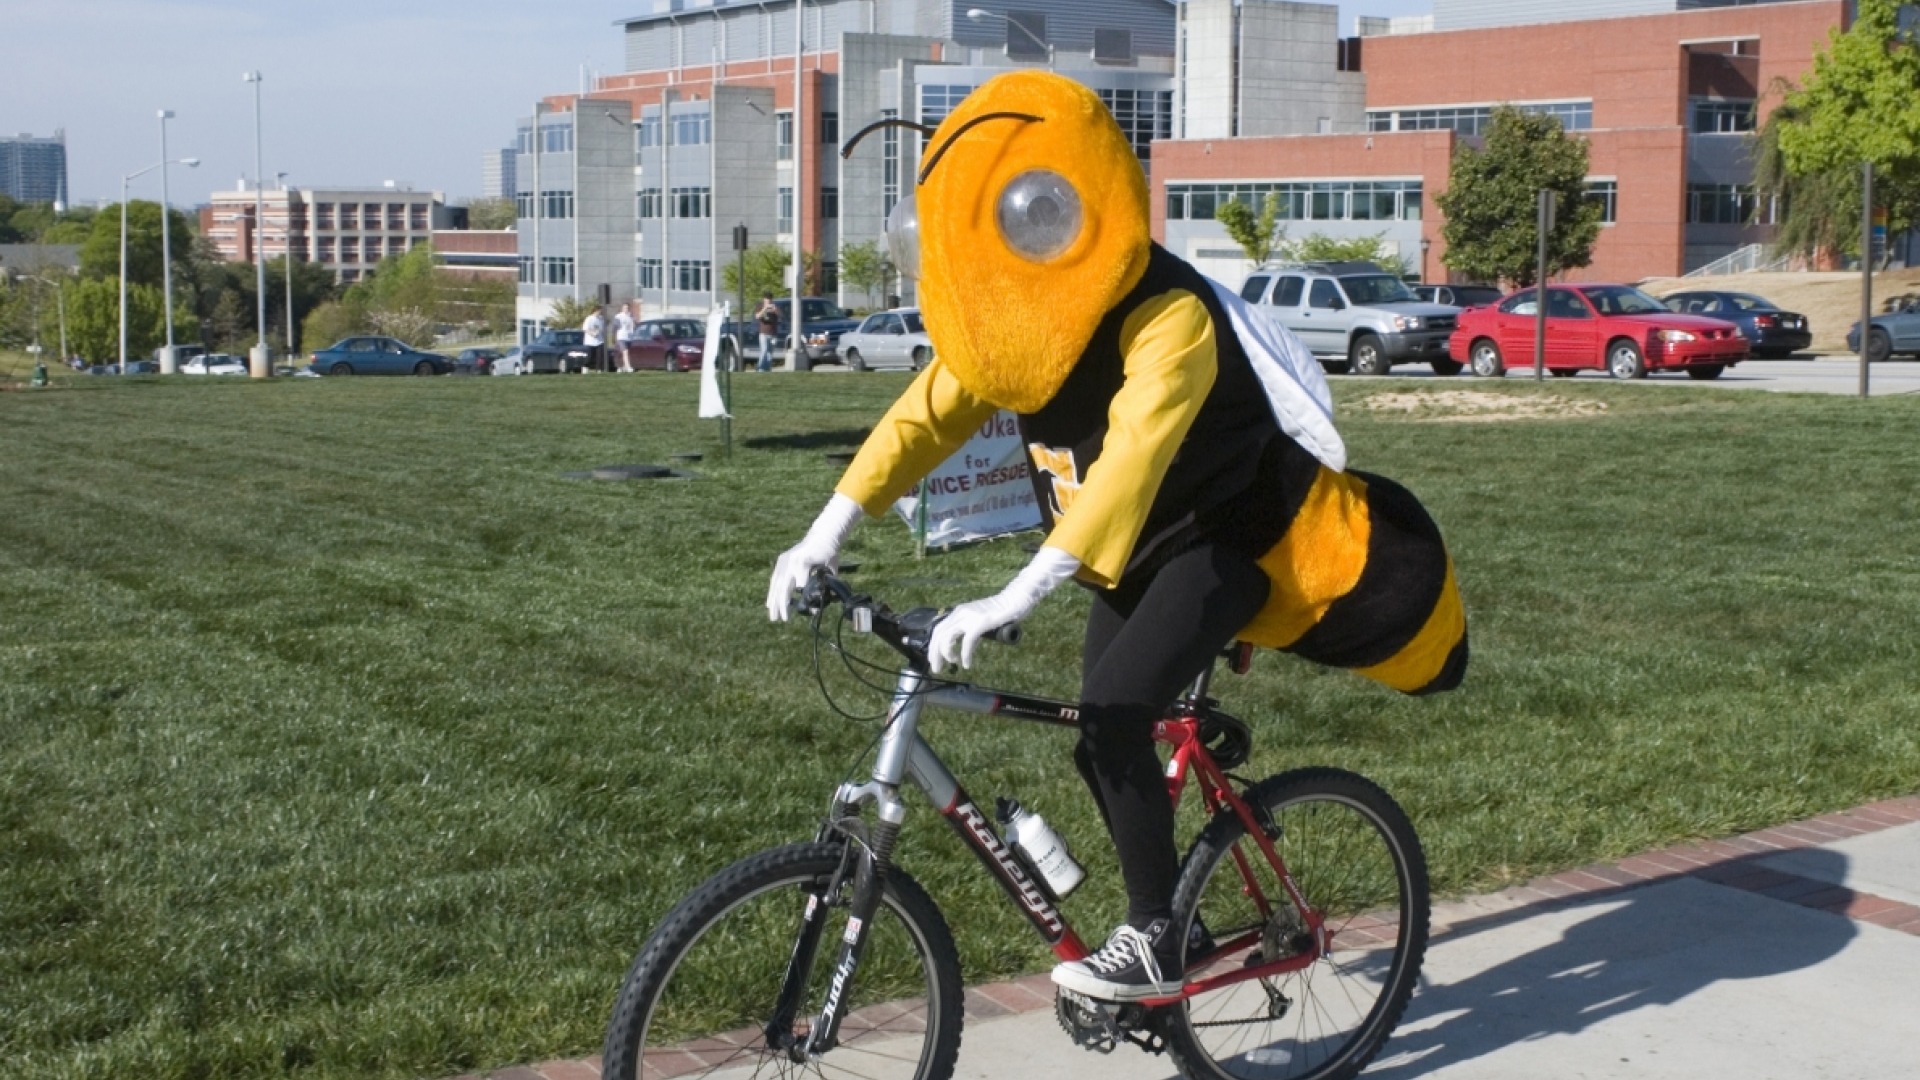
<point x="1029" y="224"/>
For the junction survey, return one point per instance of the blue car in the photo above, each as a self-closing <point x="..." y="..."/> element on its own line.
<point x="377" y="356"/>
<point x="1771" y="333"/>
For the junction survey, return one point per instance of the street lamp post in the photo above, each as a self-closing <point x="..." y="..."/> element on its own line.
<point x="166" y="247"/>
<point x="982" y="14"/>
<point x="797" y="359"/>
<point x="125" y="182"/>
<point x="282" y="177"/>
<point x="260" y="364"/>
<point x="1424" y="245"/>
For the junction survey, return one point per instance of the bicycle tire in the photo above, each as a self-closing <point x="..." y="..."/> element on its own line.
<point x="657" y="1020"/>
<point x="1332" y="827"/>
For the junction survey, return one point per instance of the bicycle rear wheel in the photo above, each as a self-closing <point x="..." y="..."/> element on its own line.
<point x="699" y="996"/>
<point x="1356" y="860"/>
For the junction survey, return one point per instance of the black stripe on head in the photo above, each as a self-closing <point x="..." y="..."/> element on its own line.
<point x="1401" y="583"/>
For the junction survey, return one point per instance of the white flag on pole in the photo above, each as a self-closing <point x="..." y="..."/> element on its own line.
<point x="712" y="406"/>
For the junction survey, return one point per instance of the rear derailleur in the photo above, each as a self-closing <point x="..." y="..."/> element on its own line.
<point x="1101" y="1025"/>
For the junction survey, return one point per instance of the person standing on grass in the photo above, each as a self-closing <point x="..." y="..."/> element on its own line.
<point x="768" y="318"/>
<point x="623" y="334"/>
<point x="594" y="330"/>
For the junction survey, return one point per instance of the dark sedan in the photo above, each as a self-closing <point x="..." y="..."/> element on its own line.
<point x="1460" y="296"/>
<point x="1770" y="332"/>
<point x="476" y="361"/>
<point x="555" y="352"/>
<point x="378" y="356"/>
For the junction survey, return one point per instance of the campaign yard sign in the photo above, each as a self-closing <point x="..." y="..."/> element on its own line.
<point x="985" y="489"/>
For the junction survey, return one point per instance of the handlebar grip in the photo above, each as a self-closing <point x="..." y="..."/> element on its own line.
<point x="1008" y="634"/>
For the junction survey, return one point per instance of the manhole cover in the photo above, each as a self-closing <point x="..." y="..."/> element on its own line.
<point x="686" y="456"/>
<point x="631" y="472"/>
<point x="839" y="457"/>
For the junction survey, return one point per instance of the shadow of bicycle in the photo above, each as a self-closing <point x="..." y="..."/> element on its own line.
<point x="1525" y="976"/>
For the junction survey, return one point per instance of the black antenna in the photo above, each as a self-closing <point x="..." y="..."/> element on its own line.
<point x="891" y="121"/>
<point x="969" y="126"/>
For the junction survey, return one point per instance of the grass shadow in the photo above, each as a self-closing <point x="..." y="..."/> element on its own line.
<point x="809" y="440"/>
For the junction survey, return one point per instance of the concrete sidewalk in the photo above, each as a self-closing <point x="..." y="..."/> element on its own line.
<point x="1785" y="953"/>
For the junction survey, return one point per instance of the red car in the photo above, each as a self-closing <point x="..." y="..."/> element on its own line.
<point x="1612" y="328"/>
<point x="668" y="344"/>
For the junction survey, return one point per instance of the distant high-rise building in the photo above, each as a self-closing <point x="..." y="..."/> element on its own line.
<point x="33" y="169"/>
<point x="496" y="174"/>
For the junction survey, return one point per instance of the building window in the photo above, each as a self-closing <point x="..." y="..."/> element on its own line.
<point x="937" y="101"/>
<point x="783" y="135"/>
<point x="323" y="215"/>
<point x="829" y="277"/>
<point x="889" y="164"/>
<point x="556" y="205"/>
<point x="556" y="270"/>
<point x="785" y="223"/>
<point x="1473" y="119"/>
<point x="1607" y="194"/>
<point x="523" y="204"/>
<point x="523" y="140"/>
<point x="1143" y="115"/>
<point x="349" y="216"/>
<point x="370" y="217"/>
<point x="1727" y="204"/>
<point x="829" y="202"/>
<point x="1722" y="117"/>
<point x="693" y="129"/>
<point x="649" y="200"/>
<point x="830" y="127"/>
<point x="396" y="245"/>
<point x="557" y="138"/>
<point x="370" y="250"/>
<point x="526" y="269"/>
<point x="692" y="275"/>
<point x="349" y="276"/>
<point x="349" y="251"/>
<point x="1323" y="200"/>
<point x="649" y="273"/>
<point x="397" y="217"/>
<point x="647" y="133"/>
<point x="325" y="249"/>
<point x="417" y="217"/>
<point x="692" y="202"/>
<point x="529" y="329"/>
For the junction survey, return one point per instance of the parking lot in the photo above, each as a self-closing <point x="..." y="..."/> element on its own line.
<point x="1829" y="374"/>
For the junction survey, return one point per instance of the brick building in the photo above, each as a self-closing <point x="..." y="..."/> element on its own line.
<point x="347" y="230"/>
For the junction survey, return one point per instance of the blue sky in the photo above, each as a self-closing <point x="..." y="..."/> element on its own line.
<point x="355" y="91"/>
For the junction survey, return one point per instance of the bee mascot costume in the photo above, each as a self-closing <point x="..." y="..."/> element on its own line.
<point x="1183" y="452"/>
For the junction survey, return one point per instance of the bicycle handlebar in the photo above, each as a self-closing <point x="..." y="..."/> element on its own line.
<point x="907" y="632"/>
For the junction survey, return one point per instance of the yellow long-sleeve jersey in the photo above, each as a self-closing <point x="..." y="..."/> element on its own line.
<point x="1162" y="437"/>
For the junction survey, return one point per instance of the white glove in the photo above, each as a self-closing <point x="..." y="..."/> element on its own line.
<point x="955" y="636"/>
<point x="820" y="547"/>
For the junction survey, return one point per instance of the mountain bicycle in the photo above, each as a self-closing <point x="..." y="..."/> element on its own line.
<point x="1304" y="900"/>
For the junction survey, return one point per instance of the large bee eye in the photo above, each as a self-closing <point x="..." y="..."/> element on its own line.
<point x="903" y="238"/>
<point x="1039" y="215"/>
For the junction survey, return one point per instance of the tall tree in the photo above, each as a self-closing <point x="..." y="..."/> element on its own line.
<point x="766" y="270"/>
<point x="1319" y="247"/>
<point x="491" y="214"/>
<point x="1255" y="231"/>
<point x="1816" y="214"/>
<point x="93" y="319"/>
<point x="1860" y="104"/>
<point x="100" y="252"/>
<point x="865" y="268"/>
<point x="1491" y="195"/>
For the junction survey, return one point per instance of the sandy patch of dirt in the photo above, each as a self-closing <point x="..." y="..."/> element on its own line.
<point x="1480" y="407"/>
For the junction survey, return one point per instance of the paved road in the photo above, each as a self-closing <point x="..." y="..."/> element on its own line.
<point x="1836" y="374"/>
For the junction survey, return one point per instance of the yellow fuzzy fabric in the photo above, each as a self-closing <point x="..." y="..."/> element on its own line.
<point x="1318" y="561"/>
<point x="1009" y="329"/>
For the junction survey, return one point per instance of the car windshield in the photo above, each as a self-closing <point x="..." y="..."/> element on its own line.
<point x="914" y="326"/>
<point x="1474" y="297"/>
<point x="1376" y="289"/>
<point x="567" y="337"/>
<point x="1745" y="302"/>
<point x="1620" y="300"/>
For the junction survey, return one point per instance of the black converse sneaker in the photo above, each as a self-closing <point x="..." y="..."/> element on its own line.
<point x="1131" y="966"/>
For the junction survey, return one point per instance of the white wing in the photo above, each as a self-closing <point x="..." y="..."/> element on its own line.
<point x="1295" y="383"/>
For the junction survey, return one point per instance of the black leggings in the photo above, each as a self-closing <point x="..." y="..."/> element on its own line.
<point x="1146" y="642"/>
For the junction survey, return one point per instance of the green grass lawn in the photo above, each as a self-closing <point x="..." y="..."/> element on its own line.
<point x="340" y="735"/>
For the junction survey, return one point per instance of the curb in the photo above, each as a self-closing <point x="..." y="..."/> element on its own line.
<point x="1731" y="863"/>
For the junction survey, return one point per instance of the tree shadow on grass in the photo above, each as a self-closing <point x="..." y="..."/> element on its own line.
<point x="1630" y="949"/>
<point x="809" y="440"/>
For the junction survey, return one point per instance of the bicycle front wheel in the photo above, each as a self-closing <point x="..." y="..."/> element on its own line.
<point x="699" y="998"/>
<point x="1354" y="857"/>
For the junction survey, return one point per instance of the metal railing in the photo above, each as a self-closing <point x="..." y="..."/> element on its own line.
<point x="1750" y="259"/>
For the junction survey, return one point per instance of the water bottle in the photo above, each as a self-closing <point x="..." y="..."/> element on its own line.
<point x="1043" y="848"/>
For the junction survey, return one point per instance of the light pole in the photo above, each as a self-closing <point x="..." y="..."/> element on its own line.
<point x="261" y="360"/>
<point x="1424" y="245"/>
<point x="166" y="247"/>
<point x="982" y="14"/>
<point x="797" y="359"/>
<point x="125" y="181"/>
<point x="282" y="177"/>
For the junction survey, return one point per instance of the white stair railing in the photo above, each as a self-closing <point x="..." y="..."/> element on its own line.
<point x="1744" y="260"/>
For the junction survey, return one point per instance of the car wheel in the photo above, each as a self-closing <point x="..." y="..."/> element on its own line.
<point x="1563" y="372"/>
<point x="1624" y="360"/>
<point x="671" y="365"/>
<point x="1366" y="357"/>
<point x="1446" y="367"/>
<point x="340" y="369"/>
<point x="1335" y="367"/>
<point x="1879" y="346"/>
<point x="921" y="355"/>
<point x="1485" y="360"/>
<point x="1705" y="371"/>
<point x="423" y="368"/>
<point x="855" y="360"/>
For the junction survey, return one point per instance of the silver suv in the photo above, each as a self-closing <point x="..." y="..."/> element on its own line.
<point x="1355" y="316"/>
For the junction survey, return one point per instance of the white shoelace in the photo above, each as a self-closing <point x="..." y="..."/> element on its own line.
<point x="1124" y="947"/>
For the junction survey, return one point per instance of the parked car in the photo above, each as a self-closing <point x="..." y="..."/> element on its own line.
<point x="510" y="363"/>
<point x="478" y="361"/>
<point x="1355" y="316"/>
<point x="1770" y="332"/>
<point x="214" y="364"/>
<point x="378" y="356"/>
<point x="1461" y="296"/>
<point x="1613" y="328"/>
<point x="888" y="339"/>
<point x="1897" y="331"/>
<point x="181" y="353"/>
<point x="668" y="344"/>
<point x="555" y="352"/>
<point x="823" y="322"/>
<point x="134" y="367"/>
